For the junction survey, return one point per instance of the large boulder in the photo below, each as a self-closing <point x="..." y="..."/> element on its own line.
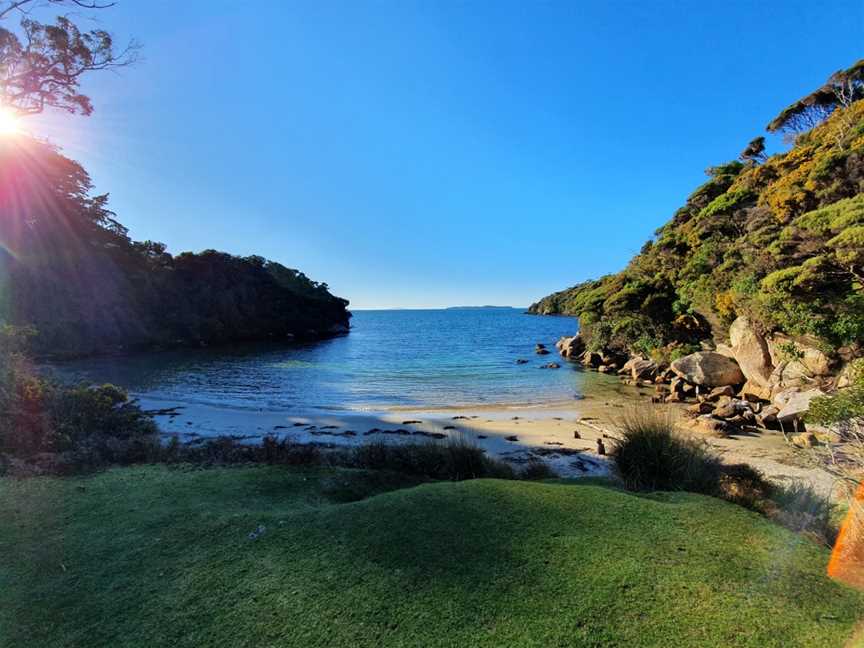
<point x="802" y="358"/>
<point x="751" y="352"/>
<point x="639" y="368"/>
<point x="708" y="369"/>
<point x="794" y="404"/>
<point x="570" y="347"/>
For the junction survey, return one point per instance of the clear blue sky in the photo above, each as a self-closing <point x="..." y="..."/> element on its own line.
<point x="416" y="154"/>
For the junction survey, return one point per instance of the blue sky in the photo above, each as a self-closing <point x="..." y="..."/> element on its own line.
<point x="424" y="154"/>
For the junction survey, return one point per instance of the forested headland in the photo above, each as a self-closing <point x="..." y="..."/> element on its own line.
<point x="71" y="272"/>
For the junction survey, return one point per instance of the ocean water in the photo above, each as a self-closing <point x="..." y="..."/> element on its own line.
<point x="397" y="358"/>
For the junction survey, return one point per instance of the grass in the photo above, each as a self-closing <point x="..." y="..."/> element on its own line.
<point x="158" y="556"/>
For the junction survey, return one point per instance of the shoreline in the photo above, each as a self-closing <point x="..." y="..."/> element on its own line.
<point x="513" y="433"/>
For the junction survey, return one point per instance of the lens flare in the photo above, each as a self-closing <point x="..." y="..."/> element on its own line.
<point x="9" y="123"/>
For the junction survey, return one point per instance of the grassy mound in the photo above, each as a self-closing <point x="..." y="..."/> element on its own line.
<point x="159" y="556"/>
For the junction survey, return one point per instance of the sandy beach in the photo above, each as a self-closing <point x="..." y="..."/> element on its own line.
<point x="565" y="435"/>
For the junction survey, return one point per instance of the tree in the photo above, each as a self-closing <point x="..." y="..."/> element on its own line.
<point x="843" y="88"/>
<point x="41" y="64"/>
<point x="754" y="151"/>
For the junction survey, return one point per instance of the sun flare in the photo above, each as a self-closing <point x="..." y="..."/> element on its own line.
<point x="9" y="123"/>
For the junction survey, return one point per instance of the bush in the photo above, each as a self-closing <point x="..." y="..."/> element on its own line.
<point x="651" y="455"/>
<point x="85" y="426"/>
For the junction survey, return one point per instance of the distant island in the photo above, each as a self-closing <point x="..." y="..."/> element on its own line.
<point x="483" y="308"/>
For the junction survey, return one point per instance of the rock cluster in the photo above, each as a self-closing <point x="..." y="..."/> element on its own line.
<point x="757" y="381"/>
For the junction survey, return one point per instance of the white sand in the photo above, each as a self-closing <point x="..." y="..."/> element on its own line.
<point x="515" y="434"/>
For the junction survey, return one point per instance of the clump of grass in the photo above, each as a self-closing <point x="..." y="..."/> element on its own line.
<point x="651" y="455"/>
<point x="536" y="470"/>
<point x="455" y="460"/>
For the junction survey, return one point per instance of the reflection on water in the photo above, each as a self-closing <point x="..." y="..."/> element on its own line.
<point x="434" y="358"/>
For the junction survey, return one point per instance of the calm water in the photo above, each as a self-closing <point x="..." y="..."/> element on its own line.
<point x="433" y="358"/>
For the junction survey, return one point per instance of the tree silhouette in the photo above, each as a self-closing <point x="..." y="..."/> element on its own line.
<point x="41" y="64"/>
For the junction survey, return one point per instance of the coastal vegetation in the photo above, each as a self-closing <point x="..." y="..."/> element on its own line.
<point x="779" y="240"/>
<point x="251" y="556"/>
<point x="69" y="269"/>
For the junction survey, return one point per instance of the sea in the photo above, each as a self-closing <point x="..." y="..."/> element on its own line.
<point x="459" y="357"/>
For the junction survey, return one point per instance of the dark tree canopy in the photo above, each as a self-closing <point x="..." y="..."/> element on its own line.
<point x="69" y="269"/>
<point x="754" y="151"/>
<point x="842" y="89"/>
<point x="42" y="64"/>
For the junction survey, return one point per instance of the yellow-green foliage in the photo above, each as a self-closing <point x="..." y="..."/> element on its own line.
<point x="782" y="242"/>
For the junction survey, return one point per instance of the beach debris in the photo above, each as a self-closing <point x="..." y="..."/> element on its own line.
<point x="257" y="532"/>
<point x="576" y="434"/>
<point x="512" y="438"/>
<point x="482" y="436"/>
<point x="330" y="427"/>
<point x="460" y="418"/>
<point x="515" y="418"/>
<point x="449" y="427"/>
<point x="601" y="448"/>
<point x="280" y="427"/>
<point x="299" y="424"/>
<point x="411" y="422"/>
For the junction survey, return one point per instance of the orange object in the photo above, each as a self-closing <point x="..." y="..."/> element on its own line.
<point x="847" y="559"/>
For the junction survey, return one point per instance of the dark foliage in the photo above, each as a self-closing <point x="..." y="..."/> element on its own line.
<point x="68" y="268"/>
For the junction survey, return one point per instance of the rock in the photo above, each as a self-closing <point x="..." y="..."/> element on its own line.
<point x="794" y="404"/>
<point x="539" y="346"/>
<point x="591" y="359"/>
<point x="570" y="347"/>
<point x="804" y="440"/>
<point x="521" y="361"/>
<point x="725" y="349"/>
<point x="701" y="408"/>
<point x="601" y="448"/>
<point x="750" y="350"/>
<point x="642" y="369"/>
<point x="551" y="365"/>
<point x="729" y="408"/>
<point x="768" y="416"/>
<point x="717" y="392"/>
<point x="802" y="354"/>
<point x="708" y="368"/>
<point x="542" y="351"/>
<point x="576" y="434"/>
<point x="751" y="392"/>
<point x="710" y="425"/>
<point x="606" y="369"/>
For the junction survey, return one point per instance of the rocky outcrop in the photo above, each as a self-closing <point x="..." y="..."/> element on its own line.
<point x="709" y="369"/>
<point x="570" y="347"/>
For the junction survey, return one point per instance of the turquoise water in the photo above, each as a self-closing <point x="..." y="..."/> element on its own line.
<point x="410" y="358"/>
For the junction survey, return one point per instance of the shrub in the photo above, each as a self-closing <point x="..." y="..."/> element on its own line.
<point x="536" y="470"/>
<point x="652" y="455"/>
<point x="88" y="425"/>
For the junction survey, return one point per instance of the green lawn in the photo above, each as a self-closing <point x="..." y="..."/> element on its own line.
<point x="154" y="556"/>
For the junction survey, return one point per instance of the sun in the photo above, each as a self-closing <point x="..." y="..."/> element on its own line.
<point x="9" y="123"/>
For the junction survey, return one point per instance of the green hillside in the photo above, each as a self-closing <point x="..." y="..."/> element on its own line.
<point x="778" y="239"/>
<point x="154" y="556"/>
